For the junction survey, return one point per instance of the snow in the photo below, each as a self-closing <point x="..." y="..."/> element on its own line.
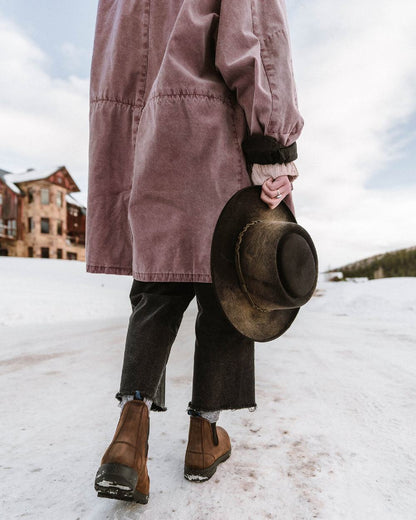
<point x="333" y="436"/>
<point x="108" y="483"/>
<point x="31" y="175"/>
<point x="46" y="290"/>
<point x="72" y="200"/>
<point x="5" y="177"/>
<point x="199" y="478"/>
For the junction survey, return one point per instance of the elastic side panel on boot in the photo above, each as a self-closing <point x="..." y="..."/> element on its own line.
<point x="214" y="433"/>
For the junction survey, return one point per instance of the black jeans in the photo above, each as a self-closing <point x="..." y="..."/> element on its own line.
<point x="223" y="376"/>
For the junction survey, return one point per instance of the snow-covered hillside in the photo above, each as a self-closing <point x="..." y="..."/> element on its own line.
<point x="333" y="436"/>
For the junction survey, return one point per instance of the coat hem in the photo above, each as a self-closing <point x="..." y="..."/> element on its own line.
<point x="106" y="269"/>
<point x="149" y="277"/>
<point x="172" y="277"/>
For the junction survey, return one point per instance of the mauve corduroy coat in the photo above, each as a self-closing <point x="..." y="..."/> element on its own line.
<point x="176" y="86"/>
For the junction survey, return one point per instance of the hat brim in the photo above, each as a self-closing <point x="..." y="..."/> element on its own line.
<point x="243" y="207"/>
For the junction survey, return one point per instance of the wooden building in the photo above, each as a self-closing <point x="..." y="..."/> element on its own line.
<point x="39" y="217"/>
<point x="10" y="213"/>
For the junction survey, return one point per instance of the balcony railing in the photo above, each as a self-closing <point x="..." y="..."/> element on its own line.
<point x="8" y="233"/>
<point x="75" y="241"/>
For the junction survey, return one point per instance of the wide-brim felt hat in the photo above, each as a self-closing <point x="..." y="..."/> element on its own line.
<point x="264" y="265"/>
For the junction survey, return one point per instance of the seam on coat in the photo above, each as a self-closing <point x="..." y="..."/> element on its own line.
<point x="194" y="95"/>
<point x="170" y="273"/>
<point x="108" y="266"/>
<point x="141" y="105"/>
<point x="116" y="101"/>
<point x="146" y="41"/>
<point x="191" y="277"/>
<point x="243" y="168"/>
<point x="136" y="116"/>
<point x="272" y="35"/>
<point x="262" y="39"/>
<point x="180" y="94"/>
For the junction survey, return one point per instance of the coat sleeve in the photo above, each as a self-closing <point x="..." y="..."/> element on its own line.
<point x="262" y="172"/>
<point x="253" y="55"/>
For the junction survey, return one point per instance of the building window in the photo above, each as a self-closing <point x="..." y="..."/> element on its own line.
<point x="44" y="252"/>
<point x="59" y="227"/>
<point x="44" y="225"/>
<point x="30" y="194"/>
<point x="59" y="199"/>
<point x="30" y="252"/>
<point x="11" y="228"/>
<point x="73" y="211"/>
<point x="1" y="198"/>
<point x="59" y="253"/>
<point x="1" y="226"/>
<point x="71" y="256"/>
<point x="30" y="224"/>
<point x="44" y="195"/>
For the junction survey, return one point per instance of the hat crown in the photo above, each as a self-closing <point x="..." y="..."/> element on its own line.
<point x="276" y="263"/>
<point x="295" y="263"/>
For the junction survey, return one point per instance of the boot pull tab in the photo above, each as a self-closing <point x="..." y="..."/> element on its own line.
<point x="214" y="433"/>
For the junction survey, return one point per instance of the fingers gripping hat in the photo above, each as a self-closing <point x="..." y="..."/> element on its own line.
<point x="264" y="265"/>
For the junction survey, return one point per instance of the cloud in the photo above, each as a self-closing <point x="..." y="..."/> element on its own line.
<point x="354" y="66"/>
<point x="44" y="120"/>
<point x="74" y="56"/>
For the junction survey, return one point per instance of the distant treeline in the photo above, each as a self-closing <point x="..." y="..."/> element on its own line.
<point x="396" y="263"/>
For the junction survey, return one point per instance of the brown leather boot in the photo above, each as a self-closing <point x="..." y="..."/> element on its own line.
<point x="123" y="471"/>
<point x="208" y="445"/>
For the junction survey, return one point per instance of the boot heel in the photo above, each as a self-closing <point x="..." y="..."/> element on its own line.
<point x="201" y="475"/>
<point x="118" y="481"/>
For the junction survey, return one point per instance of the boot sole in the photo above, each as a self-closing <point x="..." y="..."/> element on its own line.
<point x="202" y="475"/>
<point x="118" y="482"/>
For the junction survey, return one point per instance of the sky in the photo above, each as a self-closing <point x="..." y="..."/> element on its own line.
<point x="356" y="81"/>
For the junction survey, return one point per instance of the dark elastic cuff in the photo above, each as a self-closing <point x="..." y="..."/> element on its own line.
<point x="264" y="149"/>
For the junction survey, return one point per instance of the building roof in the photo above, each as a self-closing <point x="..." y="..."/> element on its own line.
<point x="71" y="200"/>
<point x="13" y="179"/>
<point x="32" y="175"/>
<point x="5" y="177"/>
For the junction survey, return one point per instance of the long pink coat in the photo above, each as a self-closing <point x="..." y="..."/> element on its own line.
<point x="176" y="86"/>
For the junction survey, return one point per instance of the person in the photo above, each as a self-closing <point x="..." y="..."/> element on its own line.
<point x="191" y="101"/>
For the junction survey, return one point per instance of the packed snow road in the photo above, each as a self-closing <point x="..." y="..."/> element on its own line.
<point x="332" y="437"/>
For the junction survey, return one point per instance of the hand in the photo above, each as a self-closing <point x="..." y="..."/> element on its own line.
<point x="271" y="189"/>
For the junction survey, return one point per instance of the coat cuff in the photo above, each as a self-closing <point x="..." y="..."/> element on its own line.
<point x="261" y="172"/>
<point x="265" y="149"/>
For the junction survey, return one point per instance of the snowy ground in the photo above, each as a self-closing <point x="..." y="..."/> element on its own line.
<point x="333" y="436"/>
